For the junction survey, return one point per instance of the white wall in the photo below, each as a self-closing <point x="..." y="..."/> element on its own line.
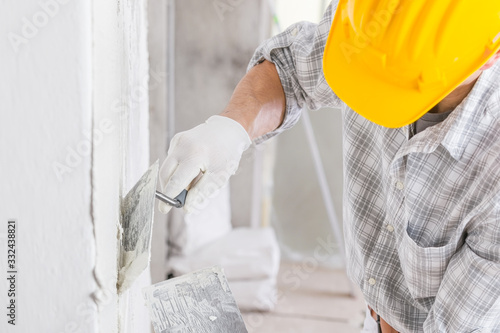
<point x="73" y="139"/>
<point x="120" y="98"/>
<point x="46" y="115"/>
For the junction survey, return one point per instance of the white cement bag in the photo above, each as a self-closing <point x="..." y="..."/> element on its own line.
<point x="255" y="295"/>
<point x="189" y="232"/>
<point x="243" y="253"/>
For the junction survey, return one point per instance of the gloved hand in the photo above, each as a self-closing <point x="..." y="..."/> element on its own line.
<point x="213" y="148"/>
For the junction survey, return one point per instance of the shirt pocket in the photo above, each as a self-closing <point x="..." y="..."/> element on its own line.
<point x="423" y="267"/>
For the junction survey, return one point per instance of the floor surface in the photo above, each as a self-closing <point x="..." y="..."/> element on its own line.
<point x="310" y="299"/>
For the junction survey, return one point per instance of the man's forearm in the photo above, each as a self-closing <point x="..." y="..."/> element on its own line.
<point x="258" y="102"/>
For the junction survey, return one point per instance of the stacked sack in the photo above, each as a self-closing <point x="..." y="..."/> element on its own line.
<point x="250" y="257"/>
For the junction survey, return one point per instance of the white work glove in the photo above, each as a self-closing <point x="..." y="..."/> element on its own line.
<point x="213" y="148"/>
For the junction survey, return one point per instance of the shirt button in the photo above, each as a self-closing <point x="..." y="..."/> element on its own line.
<point x="400" y="185"/>
<point x="372" y="281"/>
<point x="390" y="228"/>
<point x="295" y="32"/>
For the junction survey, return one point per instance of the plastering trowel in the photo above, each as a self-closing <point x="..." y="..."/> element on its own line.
<point x="137" y="211"/>
<point x="198" y="302"/>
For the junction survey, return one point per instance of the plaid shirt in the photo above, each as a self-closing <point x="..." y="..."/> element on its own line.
<point x="421" y="215"/>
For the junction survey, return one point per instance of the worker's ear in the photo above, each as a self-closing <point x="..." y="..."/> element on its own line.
<point x="491" y="62"/>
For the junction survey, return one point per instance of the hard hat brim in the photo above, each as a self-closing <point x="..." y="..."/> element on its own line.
<point x="378" y="100"/>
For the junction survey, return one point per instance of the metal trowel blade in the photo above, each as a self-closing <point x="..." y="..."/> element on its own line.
<point x="137" y="212"/>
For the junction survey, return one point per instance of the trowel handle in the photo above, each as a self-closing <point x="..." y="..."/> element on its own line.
<point x="177" y="202"/>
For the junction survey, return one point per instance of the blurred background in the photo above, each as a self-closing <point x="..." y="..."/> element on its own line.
<point x="205" y="47"/>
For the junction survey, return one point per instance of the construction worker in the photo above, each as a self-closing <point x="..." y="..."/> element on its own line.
<point x="419" y="88"/>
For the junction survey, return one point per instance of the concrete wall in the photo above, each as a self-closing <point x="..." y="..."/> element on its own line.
<point x="214" y="42"/>
<point x="157" y="38"/>
<point x="73" y="139"/>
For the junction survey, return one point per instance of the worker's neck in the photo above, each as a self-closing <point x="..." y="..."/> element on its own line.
<point x="450" y="102"/>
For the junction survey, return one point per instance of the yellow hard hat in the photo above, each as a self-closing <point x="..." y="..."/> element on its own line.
<point x="391" y="61"/>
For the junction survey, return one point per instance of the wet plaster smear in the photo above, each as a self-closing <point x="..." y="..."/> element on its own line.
<point x="137" y="211"/>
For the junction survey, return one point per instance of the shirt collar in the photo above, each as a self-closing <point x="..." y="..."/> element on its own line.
<point x="456" y="131"/>
<point x="464" y="120"/>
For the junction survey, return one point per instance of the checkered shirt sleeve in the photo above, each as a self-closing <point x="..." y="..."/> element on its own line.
<point x="297" y="54"/>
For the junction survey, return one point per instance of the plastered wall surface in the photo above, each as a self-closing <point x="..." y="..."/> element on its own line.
<point x="108" y="160"/>
<point x="45" y="165"/>
<point x="135" y="317"/>
<point x="73" y="140"/>
<point x="120" y="97"/>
